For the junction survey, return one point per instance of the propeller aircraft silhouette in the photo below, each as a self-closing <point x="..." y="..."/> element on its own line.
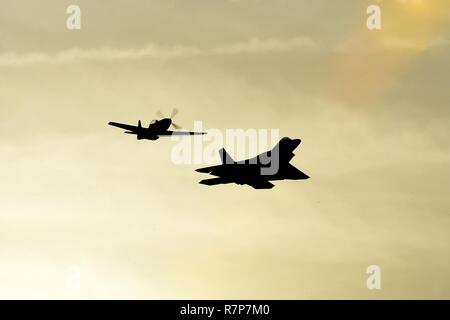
<point x="156" y="128"/>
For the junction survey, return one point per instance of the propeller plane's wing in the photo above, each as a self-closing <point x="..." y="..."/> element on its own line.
<point x="180" y="133"/>
<point x="124" y="126"/>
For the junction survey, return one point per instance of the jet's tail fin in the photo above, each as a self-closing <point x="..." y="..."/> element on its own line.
<point x="139" y="124"/>
<point x="225" y="157"/>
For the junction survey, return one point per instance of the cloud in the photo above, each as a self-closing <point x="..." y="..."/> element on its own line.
<point x="253" y="46"/>
<point x="389" y="43"/>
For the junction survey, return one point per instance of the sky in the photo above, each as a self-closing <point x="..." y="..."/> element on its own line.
<point x="87" y="212"/>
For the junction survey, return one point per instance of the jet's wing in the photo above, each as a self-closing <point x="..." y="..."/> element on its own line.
<point x="180" y="133"/>
<point x="207" y="169"/>
<point x="292" y="172"/>
<point x="124" y="126"/>
<point x="262" y="184"/>
<point x="214" y="181"/>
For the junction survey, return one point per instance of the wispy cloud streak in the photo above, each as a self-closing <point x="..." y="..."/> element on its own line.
<point x="155" y="51"/>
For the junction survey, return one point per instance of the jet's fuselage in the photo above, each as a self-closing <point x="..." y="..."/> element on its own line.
<point x="243" y="171"/>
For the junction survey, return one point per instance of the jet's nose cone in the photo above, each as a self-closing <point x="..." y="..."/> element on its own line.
<point x="294" y="143"/>
<point x="290" y="143"/>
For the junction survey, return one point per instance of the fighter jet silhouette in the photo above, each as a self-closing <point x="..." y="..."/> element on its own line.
<point x="156" y="128"/>
<point x="258" y="171"/>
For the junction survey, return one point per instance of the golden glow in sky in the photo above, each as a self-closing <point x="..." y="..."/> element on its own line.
<point x="80" y="200"/>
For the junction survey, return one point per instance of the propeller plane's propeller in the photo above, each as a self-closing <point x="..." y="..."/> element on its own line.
<point x="172" y="115"/>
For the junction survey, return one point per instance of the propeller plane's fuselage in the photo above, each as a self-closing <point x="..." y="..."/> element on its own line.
<point x="155" y="129"/>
